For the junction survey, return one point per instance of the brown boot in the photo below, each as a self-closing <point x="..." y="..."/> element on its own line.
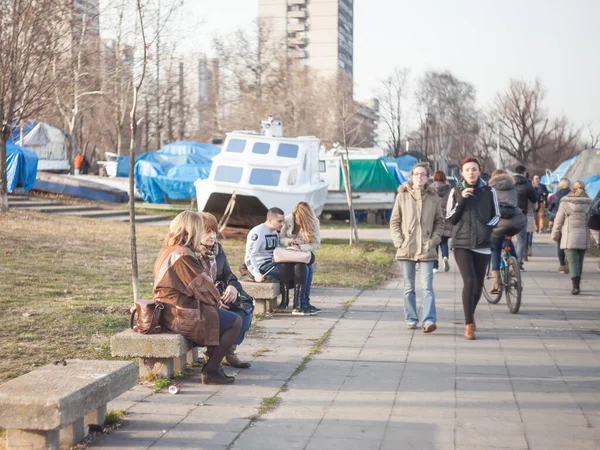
<point x="232" y="360"/>
<point x="529" y="251"/>
<point x="469" y="332"/>
<point x="563" y="269"/>
<point x="495" y="282"/>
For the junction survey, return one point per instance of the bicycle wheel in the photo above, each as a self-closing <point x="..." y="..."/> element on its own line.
<point x="513" y="286"/>
<point x="487" y="287"/>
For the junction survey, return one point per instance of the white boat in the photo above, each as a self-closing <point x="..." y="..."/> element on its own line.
<point x="373" y="187"/>
<point x="264" y="172"/>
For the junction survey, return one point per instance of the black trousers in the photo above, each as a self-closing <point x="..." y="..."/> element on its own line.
<point x="293" y="274"/>
<point x="472" y="267"/>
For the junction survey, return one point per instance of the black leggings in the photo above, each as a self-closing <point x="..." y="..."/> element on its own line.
<point x="293" y="274"/>
<point x="472" y="266"/>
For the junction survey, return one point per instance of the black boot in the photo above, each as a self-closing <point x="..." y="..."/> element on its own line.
<point x="298" y="294"/>
<point x="215" y="376"/>
<point x="575" y="281"/>
<point x="285" y="295"/>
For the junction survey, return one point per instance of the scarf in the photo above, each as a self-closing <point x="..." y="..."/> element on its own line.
<point x="208" y="259"/>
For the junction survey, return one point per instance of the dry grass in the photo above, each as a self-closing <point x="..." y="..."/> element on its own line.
<point x="65" y="283"/>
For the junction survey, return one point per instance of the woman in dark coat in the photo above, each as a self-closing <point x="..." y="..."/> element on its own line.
<point x="512" y="220"/>
<point x="443" y="188"/>
<point x="227" y="283"/>
<point x="473" y="209"/>
<point x="564" y="189"/>
<point x="192" y="305"/>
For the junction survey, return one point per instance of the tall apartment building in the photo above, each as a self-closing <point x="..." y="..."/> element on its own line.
<point x="317" y="33"/>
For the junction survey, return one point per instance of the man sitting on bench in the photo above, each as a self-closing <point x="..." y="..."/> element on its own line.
<point x="261" y="242"/>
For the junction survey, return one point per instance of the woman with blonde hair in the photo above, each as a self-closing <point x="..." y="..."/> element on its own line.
<point x="301" y="230"/>
<point x="192" y="304"/>
<point x="571" y="232"/>
<point x="213" y="255"/>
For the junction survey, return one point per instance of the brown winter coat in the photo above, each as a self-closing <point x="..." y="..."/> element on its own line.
<point x="443" y="191"/>
<point x="417" y="223"/>
<point x="570" y="224"/>
<point x="190" y="297"/>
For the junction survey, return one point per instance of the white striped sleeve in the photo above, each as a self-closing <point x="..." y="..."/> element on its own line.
<point x="451" y="205"/>
<point x="496" y="218"/>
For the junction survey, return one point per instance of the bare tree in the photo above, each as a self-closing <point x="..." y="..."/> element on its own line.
<point x="347" y="118"/>
<point x="449" y="118"/>
<point x="134" y="124"/>
<point x="29" y="42"/>
<point x="76" y="72"/>
<point x="526" y="130"/>
<point x="594" y="138"/>
<point x="392" y="96"/>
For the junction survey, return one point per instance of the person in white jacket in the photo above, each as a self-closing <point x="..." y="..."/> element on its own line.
<point x="301" y="230"/>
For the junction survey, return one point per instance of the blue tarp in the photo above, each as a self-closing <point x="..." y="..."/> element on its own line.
<point x="16" y="133"/>
<point x="171" y="172"/>
<point x="404" y="164"/>
<point x="592" y="185"/>
<point x="559" y="172"/>
<point x="21" y="167"/>
<point x="393" y="168"/>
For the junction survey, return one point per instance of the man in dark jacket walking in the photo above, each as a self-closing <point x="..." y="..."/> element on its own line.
<point x="525" y="194"/>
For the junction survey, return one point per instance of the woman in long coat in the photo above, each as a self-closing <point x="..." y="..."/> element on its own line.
<point x="417" y="224"/>
<point x="570" y="229"/>
<point x="191" y="300"/>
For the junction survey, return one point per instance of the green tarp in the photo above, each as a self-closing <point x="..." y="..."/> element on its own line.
<point x="369" y="175"/>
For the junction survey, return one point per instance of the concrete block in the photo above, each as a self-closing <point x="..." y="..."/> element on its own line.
<point x="164" y="345"/>
<point x="96" y="417"/>
<point x="180" y="363"/>
<point x="55" y="396"/>
<point x="72" y="434"/>
<point x="31" y="439"/>
<point x="164" y="367"/>
<point x="261" y="290"/>
<point x="264" y="305"/>
<point x="192" y="355"/>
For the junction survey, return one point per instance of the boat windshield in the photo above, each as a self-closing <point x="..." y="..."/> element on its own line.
<point x="264" y="177"/>
<point x="287" y="150"/>
<point x="236" y="146"/>
<point x="228" y="174"/>
<point x="262" y="148"/>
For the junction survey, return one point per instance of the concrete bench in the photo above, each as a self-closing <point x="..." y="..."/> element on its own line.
<point x="51" y="407"/>
<point x="265" y="295"/>
<point x="161" y="354"/>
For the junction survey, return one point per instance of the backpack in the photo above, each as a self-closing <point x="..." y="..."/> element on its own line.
<point x="594" y="220"/>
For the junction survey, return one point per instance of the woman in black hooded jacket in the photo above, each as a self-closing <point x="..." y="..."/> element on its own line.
<point x="564" y="189"/>
<point x="473" y="209"/>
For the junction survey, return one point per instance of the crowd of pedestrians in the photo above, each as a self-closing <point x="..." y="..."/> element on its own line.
<point x="204" y="300"/>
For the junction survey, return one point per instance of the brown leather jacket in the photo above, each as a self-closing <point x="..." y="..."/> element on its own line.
<point x="189" y="295"/>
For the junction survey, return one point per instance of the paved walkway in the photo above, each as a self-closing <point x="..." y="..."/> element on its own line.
<point x="530" y="381"/>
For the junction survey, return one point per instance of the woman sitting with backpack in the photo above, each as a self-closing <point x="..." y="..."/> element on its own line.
<point x="512" y="220"/>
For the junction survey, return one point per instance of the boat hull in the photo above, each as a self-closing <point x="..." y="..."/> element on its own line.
<point x="336" y="201"/>
<point x="251" y="205"/>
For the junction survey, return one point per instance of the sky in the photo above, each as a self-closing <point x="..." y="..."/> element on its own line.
<point x="484" y="42"/>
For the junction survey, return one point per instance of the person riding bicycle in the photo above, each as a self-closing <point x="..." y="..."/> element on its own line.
<point x="512" y="220"/>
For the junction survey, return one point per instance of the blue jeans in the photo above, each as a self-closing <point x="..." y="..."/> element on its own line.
<point x="273" y="273"/>
<point x="443" y="246"/>
<point x="308" y="284"/>
<point x="246" y="316"/>
<point x="410" y="303"/>
<point x="520" y="241"/>
<point x="497" y="251"/>
<point x="530" y="236"/>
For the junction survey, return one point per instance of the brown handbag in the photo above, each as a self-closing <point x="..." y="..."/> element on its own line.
<point x="148" y="314"/>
